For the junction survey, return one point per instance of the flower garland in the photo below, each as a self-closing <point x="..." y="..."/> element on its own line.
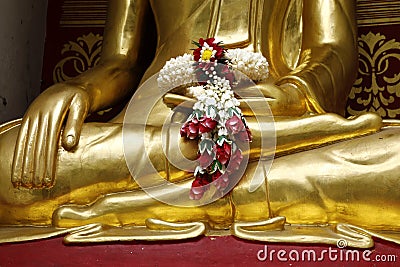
<point x="216" y="121"/>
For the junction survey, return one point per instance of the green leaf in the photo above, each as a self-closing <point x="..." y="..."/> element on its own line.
<point x="206" y="145"/>
<point x="222" y="139"/>
<point x="234" y="111"/>
<point x="217" y="166"/>
<point x="196" y="43"/>
<point x="198" y="114"/>
<point x="230" y="112"/>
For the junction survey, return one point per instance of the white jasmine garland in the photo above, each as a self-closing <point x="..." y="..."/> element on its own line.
<point x="216" y="97"/>
<point x="217" y="100"/>
<point x="216" y="120"/>
<point x="176" y="72"/>
<point x="180" y="70"/>
<point x="196" y="91"/>
<point x="254" y="65"/>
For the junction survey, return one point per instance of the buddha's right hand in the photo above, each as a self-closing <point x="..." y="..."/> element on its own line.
<point x="38" y="139"/>
<point x="284" y="100"/>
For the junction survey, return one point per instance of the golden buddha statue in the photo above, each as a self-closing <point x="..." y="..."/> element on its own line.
<point x="332" y="178"/>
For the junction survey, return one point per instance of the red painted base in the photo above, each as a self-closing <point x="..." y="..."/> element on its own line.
<point x="206" y="251"/>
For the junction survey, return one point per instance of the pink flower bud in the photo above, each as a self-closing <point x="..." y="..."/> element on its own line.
<point x="205" y="159"/>
<point x="234" y="125"/>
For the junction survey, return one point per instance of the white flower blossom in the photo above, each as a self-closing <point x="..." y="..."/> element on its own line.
<point x="211" y="101"/>
<point x="196" y="91"/>
<point x="254" y="65"/>
<point x="213" y="113"/>
<point x="222" y="131"/>
<point x="222" y="113"/>
<point x="198" y="105"/>
<point x="229" y="104"/>
<point x="176" y="72"/>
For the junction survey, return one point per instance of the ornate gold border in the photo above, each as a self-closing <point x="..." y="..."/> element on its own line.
<point x="377" y="88"/>
<point x="81" y="14"/>
<point x="378" y="12"/>
<point x="82" y="54"/>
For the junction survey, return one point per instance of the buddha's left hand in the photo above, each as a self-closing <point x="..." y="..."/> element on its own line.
<point x="283" y="100"/>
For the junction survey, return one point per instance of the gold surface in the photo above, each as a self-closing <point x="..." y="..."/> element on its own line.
<point x="327" y="172"/>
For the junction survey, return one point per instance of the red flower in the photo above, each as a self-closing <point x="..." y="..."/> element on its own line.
<point x="215" y="46"/>
<point x="220" y="180"/>
<point x="205" y="159"/>
<point x="249" y="136"/>
<point x="206" y="125"/>
<point x="190" y="129"/>
<point x="203" y="66"/>
<point x="235" y="161"/>
<point x="216" y="175"/>
<point x="223" y="153"/>
<point x="199" y="186"/>
<point x="244" y="136"/>
<point x="236" y="126"/>
<point x="227" y="73"/>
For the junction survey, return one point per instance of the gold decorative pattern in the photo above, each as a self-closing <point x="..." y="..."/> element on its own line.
<point x="377" y="88"/>
<point x="378" y="12"/>
<point x="79" y="57"/>
<point x="78" y="13"/>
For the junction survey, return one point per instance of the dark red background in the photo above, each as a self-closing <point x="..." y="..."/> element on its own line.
<point x="206" y="251"/>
